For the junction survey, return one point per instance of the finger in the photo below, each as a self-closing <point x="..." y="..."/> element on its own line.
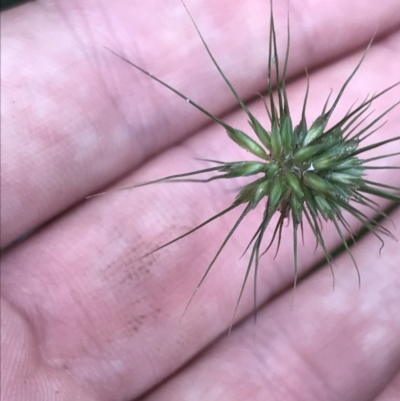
<point x="90" y="300"/>
<point x="75" y="117"/>
<point x="332" y="345"/>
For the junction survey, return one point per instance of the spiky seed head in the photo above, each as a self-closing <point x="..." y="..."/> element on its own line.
<point x="306" y="173"/>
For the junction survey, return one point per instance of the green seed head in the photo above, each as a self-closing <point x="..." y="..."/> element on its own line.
<point x="305" y="174"/>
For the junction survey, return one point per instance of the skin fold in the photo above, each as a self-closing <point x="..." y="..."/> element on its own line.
<point x="83" y="317"/>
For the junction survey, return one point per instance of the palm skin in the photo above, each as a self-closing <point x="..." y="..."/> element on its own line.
<point x="82" y="317"/>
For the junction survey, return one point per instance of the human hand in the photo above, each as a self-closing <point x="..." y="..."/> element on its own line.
<point x="82" y="318"/>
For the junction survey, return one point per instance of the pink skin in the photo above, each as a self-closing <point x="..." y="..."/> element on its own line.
<point x="82" y="318"/>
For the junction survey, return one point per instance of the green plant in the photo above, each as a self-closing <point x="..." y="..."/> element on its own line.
<point x="308" y="174"/>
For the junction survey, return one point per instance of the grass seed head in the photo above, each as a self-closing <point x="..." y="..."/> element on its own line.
<point x="305" y="173"/>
